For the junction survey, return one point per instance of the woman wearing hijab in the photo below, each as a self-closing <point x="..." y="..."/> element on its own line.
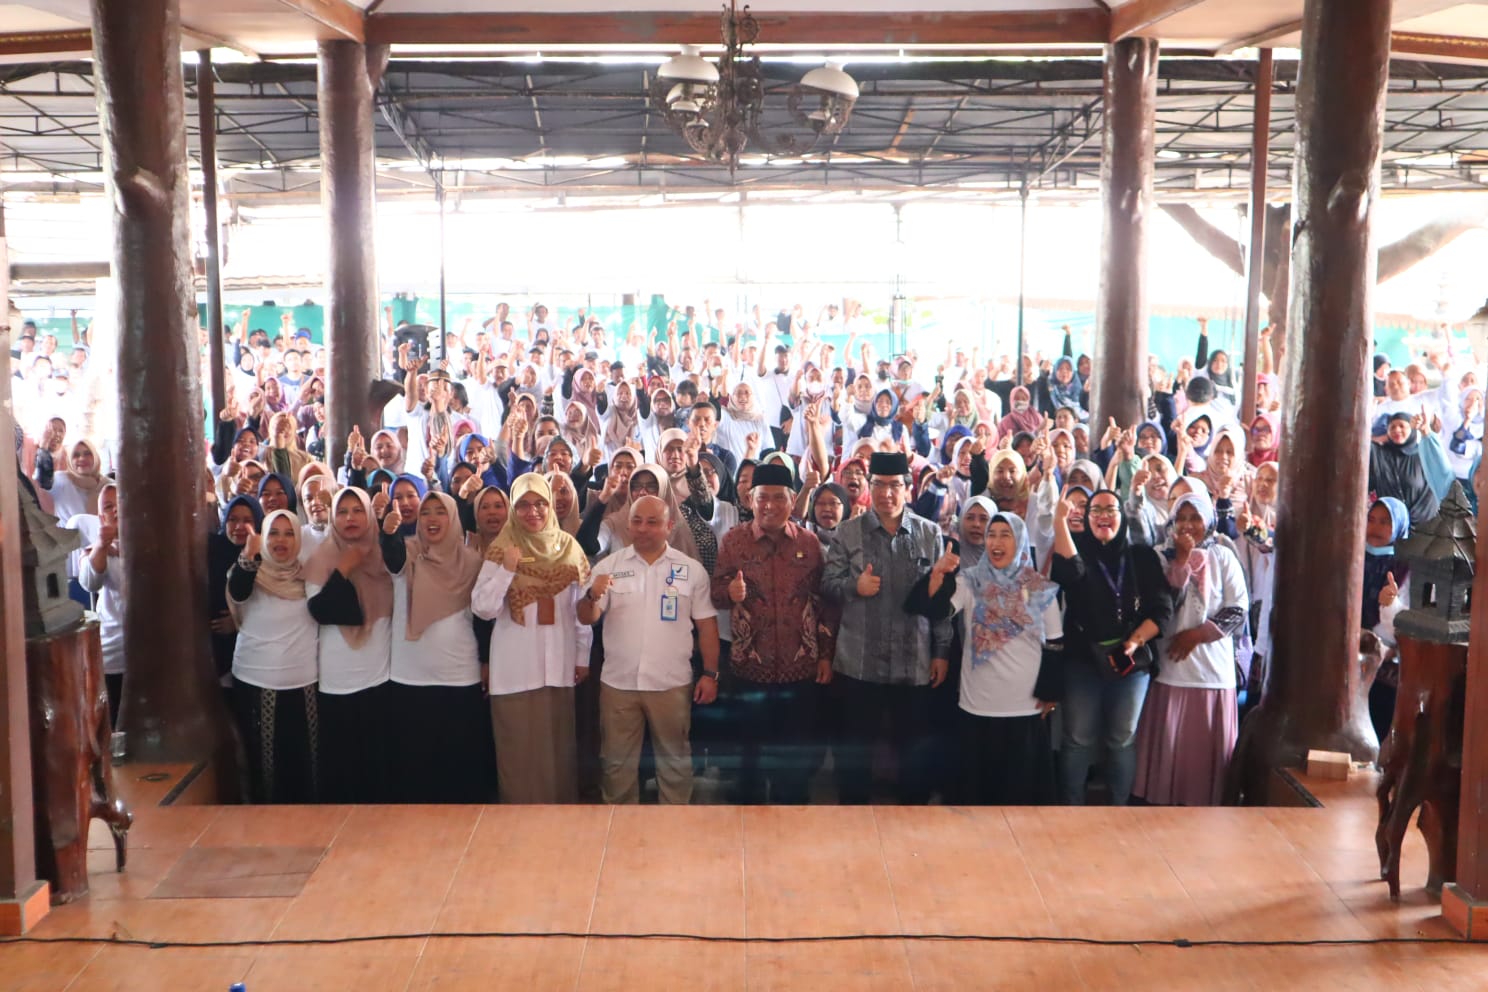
<point x="1386" y="593"/>
<point x="1117" y="600"/>
<point x="351" y="598"/>
<point x="1226" y="473"/>
<point x="1147" y="505"/>
<point x="565" y="501"/>
<point x="1396" y="469"/>
<point x="609" y="509"/>
<point x="622" y="421"/>
<point x="276" y="493"/>
<point x="742" y="418"/>
<point x="476" y="450"/>
<point x="679" y="456"/>
<point x="1190" y="717"/>
<point x="1265" y="440"/>
<point x="582" y="390"/>
<point x="1024" y="416"/>
<point x="1464" y="438"/>
<point x="852" y="476"/>
<point x="1062" y="390"/>
<point x="275" y="665"/>
<point x="241" y="518"/>
<point x="856" y="406"/>
<point x="1010" y="669"/>
<point x="75" y="489"/>
<point x="530" y="586"/>
<point x="283" y="454"/>
<point x="443" y="725"/>
<point x="1007" y="481"/>
<point x="101" y="574"/>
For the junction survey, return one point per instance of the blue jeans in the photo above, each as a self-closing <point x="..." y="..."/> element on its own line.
<point x="1099" y="712"/>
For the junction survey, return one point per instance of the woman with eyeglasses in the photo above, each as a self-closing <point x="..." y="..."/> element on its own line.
<point x="1117" y="600"/>
<point x="530" y="586"/>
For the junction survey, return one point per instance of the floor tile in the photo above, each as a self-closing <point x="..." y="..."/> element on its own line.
<point x="383" y="967"/>
<point x="815" y="870"/>
<point x="530" y="964"/>
<point x="529" y="868"/>
<point x="842" y="966"/>
<point x="239" y="873"/>
<point x="953" y="966"/>
<point x="43" y="967"/>
<point x="662" y="966"/>
<point x="283" y="826"/>
<point x="672" y="871"/>
<point x="130" y="969"/>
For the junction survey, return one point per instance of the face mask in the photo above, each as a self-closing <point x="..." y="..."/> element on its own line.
<point x="1383" y="552"/>
<point x="1021" y="406"/>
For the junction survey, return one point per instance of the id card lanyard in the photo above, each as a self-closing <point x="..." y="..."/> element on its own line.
<point x="1116" y="586"/>
<point x="669" y="601"/>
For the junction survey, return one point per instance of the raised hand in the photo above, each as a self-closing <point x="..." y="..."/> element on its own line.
<point x="1062" y="511"/>
<point x="1390" y="592"/>
<point x="947" y="563"/>
<point x="751" y="444"/>
<point x="381" y="502"/>
<point x="470" y="487"/>
<point x="356" y="446"/>
<point x="253" y="547"/>
<point x="868" y="583"/>
<point x="1184" y="545"/>
<point x="738" y="589"/>
<point x="393" y="521"/>
<point x="1139" y="479"/>
<point x="1111" y="435"/>
<point x="511" y="557"/>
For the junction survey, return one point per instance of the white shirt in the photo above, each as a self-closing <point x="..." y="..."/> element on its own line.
<point x="444" y="654"/>
<point x="345" y="669"/>
<point x="109" y="606"/>
<point x="733" y="433"/>
<point x="278" y="643"/>
<point x="310" y="539"/>
<point x="771" y="390"/>
<point x="642" y="650"/>
<point x="68" y="500"/>
<point x="1212" y="665"/>
<point x="1002" y="685"/>
<point x="528" y="656"/>
<point x="87" y="525"/>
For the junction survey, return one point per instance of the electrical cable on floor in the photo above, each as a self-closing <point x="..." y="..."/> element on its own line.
<point x="1179" y="942"/>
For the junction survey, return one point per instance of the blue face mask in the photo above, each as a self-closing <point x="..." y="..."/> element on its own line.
<point x="1383" y="552"/>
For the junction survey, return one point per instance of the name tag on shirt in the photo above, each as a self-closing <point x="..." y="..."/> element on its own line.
<point x="679" y="573"/>
<point x="669" y="605"/>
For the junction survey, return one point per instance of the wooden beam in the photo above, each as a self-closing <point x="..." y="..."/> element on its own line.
<point x="1439" y="46"/>
<point x="1012" y="27"/>
<point x="1255" y="265"/>
<point x="1139" y="17"/>
<point x="1261" y="38"/>
<point x="46" y="42"/>
<point x="342" y="20"/>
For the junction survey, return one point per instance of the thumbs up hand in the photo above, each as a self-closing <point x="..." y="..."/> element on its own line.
<point x="1390" y="592"/>
<point x="868" y="583"/>
<point x="738" y="589"/>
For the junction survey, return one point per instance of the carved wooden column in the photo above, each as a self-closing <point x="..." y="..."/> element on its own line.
<point x="1255" y="255"/>
<point x="1120" y="360"/>
<point x="172" y="709"/>
<point x="1320" y="529"/>
<point x="23" y="899"/>
<point x="347" y="78"/>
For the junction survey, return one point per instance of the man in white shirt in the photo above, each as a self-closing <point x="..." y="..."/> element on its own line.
<point x="652" y="596"/>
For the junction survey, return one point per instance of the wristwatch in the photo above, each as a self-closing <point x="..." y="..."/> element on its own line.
<point x="710" y="675"/>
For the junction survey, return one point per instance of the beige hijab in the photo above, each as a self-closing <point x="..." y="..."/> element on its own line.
<point x="374" y="586"/>
<point x="551" y="560"/>
<point x="441" y="573"/>
<point x="90" y="484"/>
<point x="284" y="580"/>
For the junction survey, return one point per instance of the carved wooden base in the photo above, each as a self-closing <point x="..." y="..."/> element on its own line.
<point x="1466" y="915"/>
<point x="73" y="779"/>
<point x="1421" y="763"/>
<point x="19" y="916"/>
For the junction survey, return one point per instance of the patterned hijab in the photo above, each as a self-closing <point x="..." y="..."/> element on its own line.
<point x="1009" y="600"/>
<point x="551" y="560"/>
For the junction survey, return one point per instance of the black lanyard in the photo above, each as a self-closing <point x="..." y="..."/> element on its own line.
<point x="1116" y="585"/>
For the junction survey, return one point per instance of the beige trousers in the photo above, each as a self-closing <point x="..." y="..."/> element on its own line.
<point x="624" y="715"/>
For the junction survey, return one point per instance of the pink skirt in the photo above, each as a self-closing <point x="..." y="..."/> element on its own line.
<point x="1184" y="742"/>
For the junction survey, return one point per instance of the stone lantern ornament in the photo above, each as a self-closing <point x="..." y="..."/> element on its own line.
<point x="1421" y="762"/>
<point x="1441" y="554"/>
<point x="44" y="550"/>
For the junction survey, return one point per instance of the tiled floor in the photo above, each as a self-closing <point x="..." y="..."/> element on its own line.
<point x="1118" y="874"/>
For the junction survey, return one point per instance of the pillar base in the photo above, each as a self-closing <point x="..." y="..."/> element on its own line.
<point x="21" y="915"/>
<point x="1466" y="915"/>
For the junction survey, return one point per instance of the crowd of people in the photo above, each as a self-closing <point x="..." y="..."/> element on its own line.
<point x="566" y="562"/>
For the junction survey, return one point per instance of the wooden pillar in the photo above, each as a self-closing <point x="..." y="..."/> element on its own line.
<point x="172" y="710"/>
<point x="347" y="78"/>
<point x="1255" y="265"/>
<point x="23" y="899"/>
<point x="1465" y="902"/>
<point x="206" y="116"/>
<point x="1120" y="359"/>
<point x="1314" y="671"/>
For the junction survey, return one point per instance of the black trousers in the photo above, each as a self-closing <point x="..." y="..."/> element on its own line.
<point x="1006" y="761"/>
<point x="354" y="746"/>
<point x="868" y="714"/>
<point x="440" y="749"/>
<point x="779" y="742"/>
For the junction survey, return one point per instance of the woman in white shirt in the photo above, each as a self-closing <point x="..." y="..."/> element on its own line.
<point x="76" y="489"/>
<point x="530" y="586"/>
<point x="743" y="417"/>
<point x="274" y="665"/>
<point x="1189" y="720"/>
<point x="1010" y="670"/>
<point x="101" y="573"/>
<point x="351" y="597"/>
<point x="441" y="750"/>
